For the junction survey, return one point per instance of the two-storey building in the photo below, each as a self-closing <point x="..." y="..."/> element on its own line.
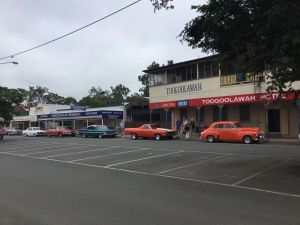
<point x="208" y="91"/>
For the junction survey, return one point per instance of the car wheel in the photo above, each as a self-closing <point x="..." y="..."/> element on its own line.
<point x="134" y="136"/>
<point x="247" y="140"/>
<point x="157" y="137"/>
<point x="34" y="134"/>
<point x="1" y="137"/>
<point x="61" y="135"/>
<point x="84" y="136"/>
<point x="100" y="136"/>
<point x="210" y="138"/>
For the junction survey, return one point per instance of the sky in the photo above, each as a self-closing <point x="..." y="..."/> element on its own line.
<point x="113" y="51"/>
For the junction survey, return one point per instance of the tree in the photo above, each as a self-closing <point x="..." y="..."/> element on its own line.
<point x="8" y="98"/>
<point x="119" y="93"/>
<point x="145" y="80"/>
<point x="262" y="37"/>
<point x="36" y="95"/>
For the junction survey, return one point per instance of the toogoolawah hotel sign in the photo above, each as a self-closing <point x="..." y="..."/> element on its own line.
<point x="181" y="89"/>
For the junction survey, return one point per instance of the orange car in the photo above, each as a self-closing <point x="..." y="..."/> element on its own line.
<point x="231" y="131"/>
<point x="150" y="131"/>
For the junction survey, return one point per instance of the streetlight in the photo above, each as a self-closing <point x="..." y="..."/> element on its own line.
<point x="12" y="62"/>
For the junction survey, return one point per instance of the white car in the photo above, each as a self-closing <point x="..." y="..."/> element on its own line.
<point x="33" y="132"/>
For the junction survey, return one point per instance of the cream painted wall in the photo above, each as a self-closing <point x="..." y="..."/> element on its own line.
<point x="210" y="88"/>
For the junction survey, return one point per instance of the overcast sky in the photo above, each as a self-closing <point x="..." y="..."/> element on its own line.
<point x="110" y="52"/>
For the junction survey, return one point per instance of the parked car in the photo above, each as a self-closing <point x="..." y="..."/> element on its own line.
<point x="233" y="132"/>
<point x="2" y="133"/>
<point x="150" y="131"/>
<point x="97" y="131"/>
<point x="33" y="132"/>
<point x="60" y="132"/>
<point x="13" y="131"/>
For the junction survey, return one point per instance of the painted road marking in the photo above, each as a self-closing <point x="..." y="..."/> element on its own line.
<point x="164" y="176"/>
<point x="191" y="164"/>
<point x="119" y="153"/>
<point x="135" y="160"/>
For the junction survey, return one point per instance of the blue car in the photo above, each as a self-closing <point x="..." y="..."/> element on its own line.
<point x="98" y="131"/>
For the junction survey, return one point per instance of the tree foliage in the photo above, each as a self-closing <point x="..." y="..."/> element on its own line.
<point x="144" y="79"/>
<point x="262" y="37"/>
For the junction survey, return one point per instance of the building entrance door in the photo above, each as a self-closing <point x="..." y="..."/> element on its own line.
<point x="274" y="120"/>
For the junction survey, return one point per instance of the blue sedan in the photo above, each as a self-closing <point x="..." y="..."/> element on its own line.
<point x="98" y="131"/>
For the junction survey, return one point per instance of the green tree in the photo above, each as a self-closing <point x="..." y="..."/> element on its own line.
<point x="119" y="93"/>
<point x="97" y="97"/>
<point x="144" y="79"/>
<point x="36" y="95"/>
<point x="262" y="37"/>
<point x="8" y="98"/>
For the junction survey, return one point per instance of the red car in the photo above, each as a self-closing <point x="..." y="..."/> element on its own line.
<point x="150" y="131"/>
<point x="232" y="131"/>
<point x="60" y="132"/>
<point x="13" y="131"/>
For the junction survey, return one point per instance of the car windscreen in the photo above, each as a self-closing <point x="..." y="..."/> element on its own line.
<point x="154" y="126"/>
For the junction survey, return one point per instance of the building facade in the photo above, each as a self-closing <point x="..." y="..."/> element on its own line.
<point x="207" y="91"/>
<point x="49" y="116"/>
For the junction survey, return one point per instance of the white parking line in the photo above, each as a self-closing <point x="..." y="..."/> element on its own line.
<point x="23" y="146"/>
<point x="74" y="153"/>
<point x="191" y="164"/>
<point x="135" y="160"/>
<point x="36" y="149"/>
<point x="163" y="176"/>
<point x="58" y="150"/>
<point x="259" y="173"/>
<point x="119" y="153"/>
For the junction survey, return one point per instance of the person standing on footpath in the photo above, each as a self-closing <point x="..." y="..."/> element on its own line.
<point x="178" y="126"/>
<point x="187" y="128"/>
<point x="122" y="128"/>
<point x="193" y="127"/>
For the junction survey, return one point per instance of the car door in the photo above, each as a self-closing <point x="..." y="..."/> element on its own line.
<point x="229" y="132"/>
<point x="145" y="131"/>
<point x="90" y="131"/>
<point x="29" y="132"/>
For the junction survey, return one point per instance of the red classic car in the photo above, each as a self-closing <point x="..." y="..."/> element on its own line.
<point x="232" y="131"/>
<point x="60" y="132"/>
<point x="150" y="131"/>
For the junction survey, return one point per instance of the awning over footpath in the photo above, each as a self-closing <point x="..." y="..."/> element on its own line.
<point x="223" y="100"/>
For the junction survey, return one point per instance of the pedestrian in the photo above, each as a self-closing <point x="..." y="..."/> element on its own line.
<point x="193" y="127"/>
<point x="178" y="126"/>
<point x="187" y="129"/>
<point x="122" y="127"/>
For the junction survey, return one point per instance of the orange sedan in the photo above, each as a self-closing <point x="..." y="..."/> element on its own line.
<point x="232" y="131"/>
<point x="150" y="131"/>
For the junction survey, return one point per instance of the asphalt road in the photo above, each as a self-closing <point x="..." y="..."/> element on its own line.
<point x="76" y="181"/>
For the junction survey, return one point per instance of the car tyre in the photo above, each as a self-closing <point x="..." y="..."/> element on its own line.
<point x="247" y="139"/>
<point x="157" y="137"/>
<point x="210" y="139"/>
<point x="34" y="134"/>
<point x="1" y="137"/>
<point x="61" y="135"/>
<point x="100" y="136"/>
<point x="84" y="136"/>
<point x="134" y="136"/>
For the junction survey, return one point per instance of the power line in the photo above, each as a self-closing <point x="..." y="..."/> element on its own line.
<point x="72" y="32"/>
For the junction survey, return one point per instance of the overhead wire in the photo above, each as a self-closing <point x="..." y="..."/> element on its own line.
<point x="72" y="32"/>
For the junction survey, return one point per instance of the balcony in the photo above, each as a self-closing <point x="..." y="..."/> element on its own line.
<point x="239" y="78"/>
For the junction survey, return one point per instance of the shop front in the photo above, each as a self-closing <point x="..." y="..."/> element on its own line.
<point x="206" y="91"/>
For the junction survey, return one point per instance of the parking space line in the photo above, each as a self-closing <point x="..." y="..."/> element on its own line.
<point x="135" y="160"/>
<point x="260" y="172"/>
<point x="23" y="146"/>
<point x="191" y="164"/>
<point x="71" y="148"/>
<point x="74" y="153"/>
<point x="119" y="153"/>
<point x="163" y="176"/>
<point x="35" y="149"/>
